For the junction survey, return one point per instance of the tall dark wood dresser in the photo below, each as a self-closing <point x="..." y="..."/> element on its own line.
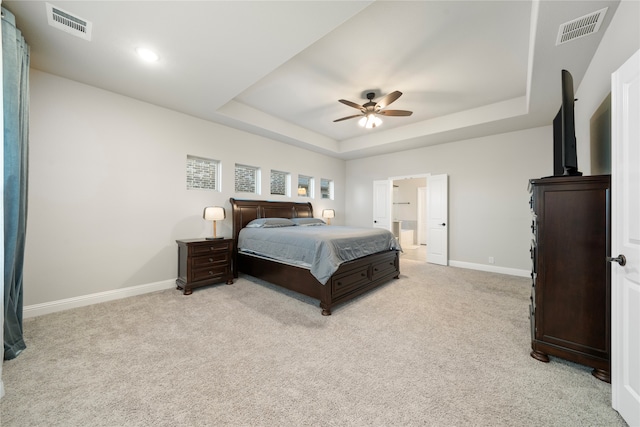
<point x="570" y="307"/>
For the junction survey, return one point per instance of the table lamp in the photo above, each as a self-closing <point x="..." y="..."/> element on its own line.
<point x="214" y="213"/>
<point x="328" y="214"/>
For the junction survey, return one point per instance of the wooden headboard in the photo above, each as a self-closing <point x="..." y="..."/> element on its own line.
<point x="245" y="211"/>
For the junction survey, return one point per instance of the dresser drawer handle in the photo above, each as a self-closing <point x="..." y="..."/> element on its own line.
<point x="210" y="259"/>
<point x="211" y="273"/>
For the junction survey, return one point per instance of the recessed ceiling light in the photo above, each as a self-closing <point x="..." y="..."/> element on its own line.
<point x="147" y="54"/>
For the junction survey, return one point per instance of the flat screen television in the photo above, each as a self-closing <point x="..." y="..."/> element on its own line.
<point x="565" y="154"/>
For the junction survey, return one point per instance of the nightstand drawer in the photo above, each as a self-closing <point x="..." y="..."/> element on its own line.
<point x="211" y="260"/>
<point x="212" y="273"/>
<point x="209" y="248"/>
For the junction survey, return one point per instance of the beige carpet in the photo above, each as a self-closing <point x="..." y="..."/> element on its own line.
<point x="439" y="347"/>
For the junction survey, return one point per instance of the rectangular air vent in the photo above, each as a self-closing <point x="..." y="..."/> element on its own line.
<point x="580" y="27"/>
<point x="67" y="22"/>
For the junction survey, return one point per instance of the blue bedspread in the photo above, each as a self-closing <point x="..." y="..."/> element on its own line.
<point x="321" y="249"/>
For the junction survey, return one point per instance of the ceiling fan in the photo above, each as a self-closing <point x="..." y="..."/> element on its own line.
<point x="370" y="110"/>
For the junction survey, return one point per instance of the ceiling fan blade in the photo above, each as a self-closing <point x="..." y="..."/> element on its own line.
<point x="389" y="99"/>
<point x="348" y="117"/>
<point x="395" y="113"/>
<point x="351" y="104"/>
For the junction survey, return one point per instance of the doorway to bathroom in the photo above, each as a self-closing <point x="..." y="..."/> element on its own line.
<point x="415" y="208"/>
<point x="409" y="216"/>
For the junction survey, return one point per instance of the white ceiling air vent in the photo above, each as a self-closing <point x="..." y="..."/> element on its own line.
<point x="580" y="27"/>
<point x="67" y="22"/>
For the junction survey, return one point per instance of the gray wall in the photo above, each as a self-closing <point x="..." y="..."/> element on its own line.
<point x="621" y="40"/>
<point x="107" y="187"/>
<point x="488" y="199"/>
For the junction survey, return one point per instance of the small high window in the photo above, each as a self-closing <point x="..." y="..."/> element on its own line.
<point x="280" y="183"/>
<point x="247" y="179"/>
<point x="326" y="188"/>
<point x="305" y="186"/>
<point x="202" y="173"/>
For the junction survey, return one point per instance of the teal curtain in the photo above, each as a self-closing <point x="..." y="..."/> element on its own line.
<point x="15" y="86"/>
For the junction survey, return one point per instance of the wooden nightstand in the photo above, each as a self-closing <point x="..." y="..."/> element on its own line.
<point x="203" y="262"/>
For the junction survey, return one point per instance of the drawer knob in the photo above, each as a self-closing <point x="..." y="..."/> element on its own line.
<point x="210" y="259"/>
<point x="211" y="273"/>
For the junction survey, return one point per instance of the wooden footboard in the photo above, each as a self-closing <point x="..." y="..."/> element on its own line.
<point x="352" y="279"/>
<point x="359" y="276"/>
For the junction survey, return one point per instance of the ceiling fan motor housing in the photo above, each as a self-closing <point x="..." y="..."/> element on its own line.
<point x="371" y="107"/>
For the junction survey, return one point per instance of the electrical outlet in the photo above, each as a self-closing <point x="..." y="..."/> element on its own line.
<point x="491" y="260"/>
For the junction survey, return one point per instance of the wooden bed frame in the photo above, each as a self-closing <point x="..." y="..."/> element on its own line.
<point x="350" y="280"/>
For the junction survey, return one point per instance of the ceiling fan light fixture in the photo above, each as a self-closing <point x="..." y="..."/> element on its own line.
<point x="369" y="110"/>
<point x="370" y="121"/>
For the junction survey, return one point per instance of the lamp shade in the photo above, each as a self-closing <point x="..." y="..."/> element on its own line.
<point x="213" y="213"/>
<point x="328" y="213"/>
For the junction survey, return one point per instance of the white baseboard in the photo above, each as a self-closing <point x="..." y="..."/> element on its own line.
<point x="84" y="300"/>
<point x="491" y="268"/>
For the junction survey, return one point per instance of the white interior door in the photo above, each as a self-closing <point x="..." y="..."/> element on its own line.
<point x="422" y="215"/>
<point x="382" y="203"/>
<point x="625" y="240"/>
<point x="437" y="219"/>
